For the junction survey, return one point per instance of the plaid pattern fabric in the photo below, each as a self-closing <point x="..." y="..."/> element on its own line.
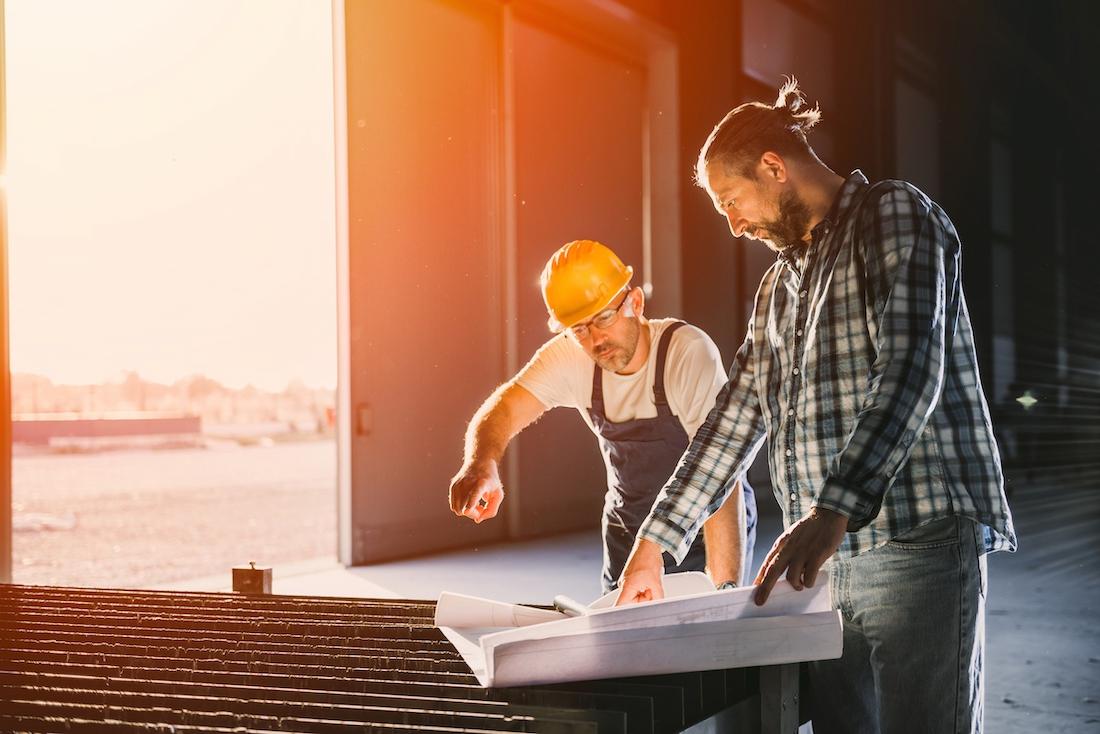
<point x="859" y="367"/>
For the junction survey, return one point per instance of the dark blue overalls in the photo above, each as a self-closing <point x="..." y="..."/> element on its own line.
<point x="641" y="455"/>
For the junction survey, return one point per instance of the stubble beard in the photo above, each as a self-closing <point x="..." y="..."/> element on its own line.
<point x="787" y="230"/>
<point x="617" y="360"/>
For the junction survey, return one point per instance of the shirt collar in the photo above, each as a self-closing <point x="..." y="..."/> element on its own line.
<point x="842" y="203"/>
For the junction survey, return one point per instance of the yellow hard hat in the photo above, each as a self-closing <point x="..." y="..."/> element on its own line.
<point x="580" y="280"/>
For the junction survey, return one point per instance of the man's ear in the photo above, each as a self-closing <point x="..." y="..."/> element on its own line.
<point x="636" y="301"/>
<point x="773" y="166"/>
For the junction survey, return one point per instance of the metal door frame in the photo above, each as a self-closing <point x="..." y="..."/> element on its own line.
<point x="6" y="530"/>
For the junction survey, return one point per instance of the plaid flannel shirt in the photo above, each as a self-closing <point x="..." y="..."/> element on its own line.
<point x="859" y="367"/>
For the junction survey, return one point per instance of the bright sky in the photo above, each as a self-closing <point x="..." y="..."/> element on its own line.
<point x="171" y="190"/>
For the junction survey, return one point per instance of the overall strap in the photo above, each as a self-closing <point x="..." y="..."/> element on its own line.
<point x="597" y="390"/>
<point x="659" y="397"/>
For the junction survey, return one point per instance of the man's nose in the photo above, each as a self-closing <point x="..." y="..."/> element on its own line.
<point x="738" y="225"/>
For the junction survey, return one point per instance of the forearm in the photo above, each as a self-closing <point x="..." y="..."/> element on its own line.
<point x="881" y="441"/>
<point x="725" y="538"/>
<point x="476" y="491"/>
<point x="505" y="413"/>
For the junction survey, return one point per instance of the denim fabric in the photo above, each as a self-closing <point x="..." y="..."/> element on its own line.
<point x="914" y="636"/>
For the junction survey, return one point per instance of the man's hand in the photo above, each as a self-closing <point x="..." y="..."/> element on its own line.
<point x="641" y="579"/>
<point x="476" y="491"/>
<point x="800" y="551"/>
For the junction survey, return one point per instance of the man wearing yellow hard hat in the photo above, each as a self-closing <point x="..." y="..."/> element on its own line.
<point x="643" y="386"/>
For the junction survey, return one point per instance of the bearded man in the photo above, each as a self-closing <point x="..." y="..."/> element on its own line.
<point x="859" y="368"/>
<point x="643" y="386"/>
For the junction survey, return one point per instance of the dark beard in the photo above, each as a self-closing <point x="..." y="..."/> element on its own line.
<point x="787" y="231"/>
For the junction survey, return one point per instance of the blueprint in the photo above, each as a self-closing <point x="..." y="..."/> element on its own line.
<point x="693" y="628"/>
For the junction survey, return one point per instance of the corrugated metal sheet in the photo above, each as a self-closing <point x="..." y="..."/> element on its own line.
<point x="106" y="660"/>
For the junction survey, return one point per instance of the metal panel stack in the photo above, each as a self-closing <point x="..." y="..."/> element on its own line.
<point x="109" y="660"/>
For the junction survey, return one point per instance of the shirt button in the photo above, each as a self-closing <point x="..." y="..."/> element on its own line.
<point x="795" y="370"/>
<point x="803" y="293"/>
<point x="794" y="495"/>
<point x="790" y="411"/>
<point x="790" y="452"/>
<point x="798" y="332"/>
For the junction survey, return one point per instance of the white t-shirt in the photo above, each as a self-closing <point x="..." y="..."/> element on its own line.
<point x="560" y="374"/>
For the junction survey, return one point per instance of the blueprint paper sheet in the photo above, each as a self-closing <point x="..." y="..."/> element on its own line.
<point x="698" y="629"/>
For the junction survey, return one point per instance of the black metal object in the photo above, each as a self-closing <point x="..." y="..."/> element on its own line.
<point x="107" y="660"/>
<point x="251" y="580"/>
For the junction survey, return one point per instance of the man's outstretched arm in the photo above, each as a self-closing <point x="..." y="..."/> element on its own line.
<point x="476" y="490"/>
<point x="694" y="378"/>
<point x="725" y="536"/>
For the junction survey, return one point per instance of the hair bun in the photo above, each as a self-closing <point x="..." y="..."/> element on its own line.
<point x="790" y="96"/>
<point x="792" y="101"/>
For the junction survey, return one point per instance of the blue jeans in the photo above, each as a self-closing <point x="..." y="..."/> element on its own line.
<point x="914" y="636"/>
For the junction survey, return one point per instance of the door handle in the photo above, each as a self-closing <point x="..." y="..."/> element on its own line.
<point x="364" y="419"/>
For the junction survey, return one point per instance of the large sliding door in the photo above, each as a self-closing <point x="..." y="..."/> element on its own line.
<point x="479" y="137"/>
<point x="579" y="163"/>
<point x="424" y="271"/>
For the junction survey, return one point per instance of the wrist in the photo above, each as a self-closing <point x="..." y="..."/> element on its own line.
<point x="482" y="465"/>
<point x="647" y="553"/>
<point x="721" y="573"/>
<point x="826" y="515"/>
